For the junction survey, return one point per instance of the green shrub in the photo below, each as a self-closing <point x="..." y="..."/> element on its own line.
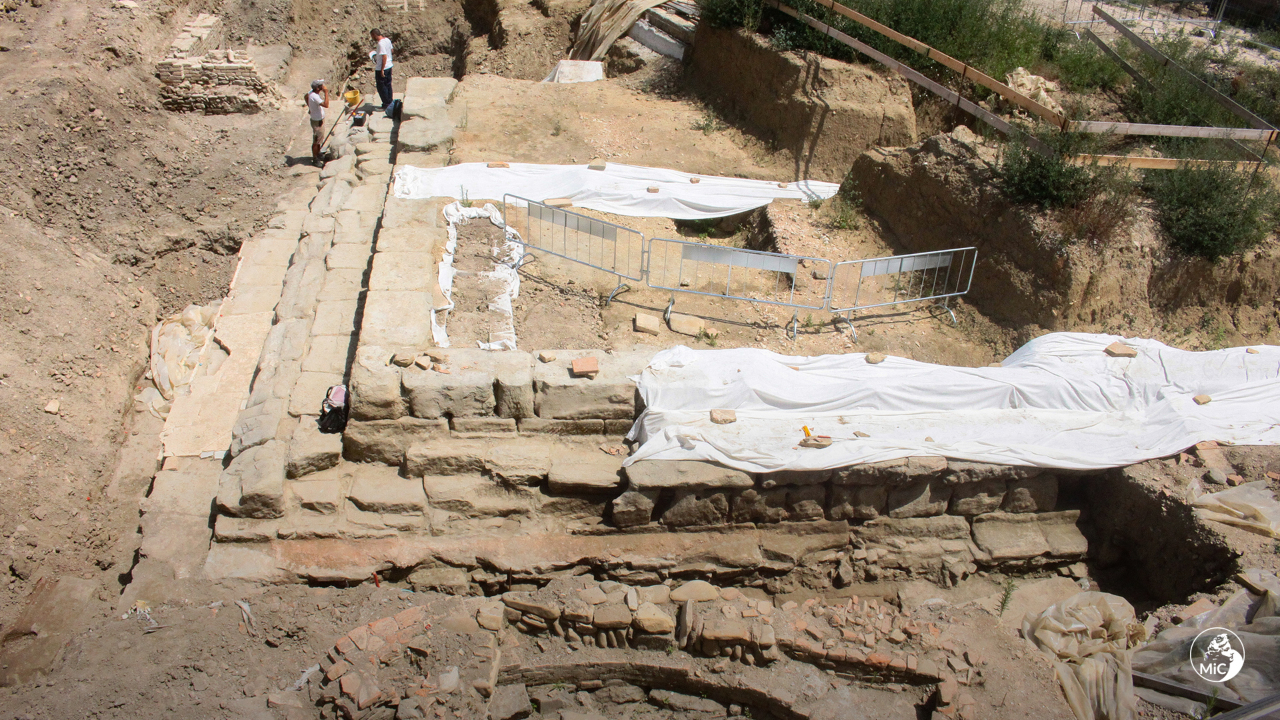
<point x="1046" y="181"/>
<point x="1212" y="210"/>
<point x="1082" y="67"/>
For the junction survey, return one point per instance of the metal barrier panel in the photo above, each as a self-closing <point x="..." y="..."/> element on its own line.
<point x="602" y="245"/>
<point x="737" y="274"/>
<point x="877" y="282"/>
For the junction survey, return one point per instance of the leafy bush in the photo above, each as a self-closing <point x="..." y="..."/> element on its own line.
<point x="1091" y="201"/>
<point x="1081" y="66"/>
<point x="1046" y="181"/>
<point x="1212" y="210"/>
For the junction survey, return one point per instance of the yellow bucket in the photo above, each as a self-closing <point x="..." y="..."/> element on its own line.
<point x="352" y="97"/>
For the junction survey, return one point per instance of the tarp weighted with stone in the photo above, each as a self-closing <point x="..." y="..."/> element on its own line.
<point x="1058" y="402"/>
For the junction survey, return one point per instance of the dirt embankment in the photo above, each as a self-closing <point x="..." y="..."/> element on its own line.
<point x="822" y="112"/>
<point x="943" y="193"/>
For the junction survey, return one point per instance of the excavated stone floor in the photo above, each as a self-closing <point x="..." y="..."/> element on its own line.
<point x="497" y="479"/>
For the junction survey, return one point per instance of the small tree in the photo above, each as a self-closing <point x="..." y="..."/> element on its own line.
<point x="1211" y="209"/>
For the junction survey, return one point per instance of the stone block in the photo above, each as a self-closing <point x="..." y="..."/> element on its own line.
<point x="965" y="472"/>
<point x="1063" y="534"/>
<point x="402" y="213"/>
<point x="348" y="257"/>
<point x="1037" y="494"/>
<point x="439" y="88"/>
<point x="335" y="317"/>
<point x="794" y="477"/>
<point x="396" y="319"/>
<point x="252" y="486"/>
<point x="385" y="441"/>
<point x="686" y="324"/>
<point x="510" y="702"/>
<point x="519" y="462"/>
<point x="977" y="498"/>
<point x="561" y="427"/>
<point x="414" y="239"/>
<point x="342" y="285"/>
<point x="426" y="134"/>
<point x="512" y="372"/>
<point x="423" y="107"/>
<point x="371" y="166"/>
<point x="447" y="580"/>
<point x="858" y="502"/>
<point x="458" y="393"/>
<point x="483" y="426"/>
<point x="760" y="506"/>
<point x="335" y="167"/>
<point x="311" y="450"/>
<point x="632" y="509"/>
<point x="920" y="498"/>
<point x="692" y="508"/>
<point x="375" y="385"/>
<point x="322" y="496"/>
<point x="445" y="458"/>
<point x="251" y="300"/>
<point x="610" y="395"/>
<point x="645" y="323"/>
<point x="1009" y="536"/>
<point x="402" y="271"/>
<point x="664" y="474"/>
<point x="435" y="159"/>
<point x="382" y="490"/>
<point x="328" y="354"/>
<point x="227" y="529"/>
<point x="476" y="496"/>
<point x="301" y="290"/>
<point x="257" y="424"/>
<point x="365" y="199"/>
<point x="310" y="391"/>
<point x="883" y="529"/>
<point x="584" y="473"/>
<point x="806" y="502"/>
<point x="376" y="149"/>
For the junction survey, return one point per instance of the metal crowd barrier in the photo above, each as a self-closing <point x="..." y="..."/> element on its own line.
<point x="595" y="243"/>
<point x="682" y="266"/>
<point x="877" y="282"/>
<point x="735" y="274"/>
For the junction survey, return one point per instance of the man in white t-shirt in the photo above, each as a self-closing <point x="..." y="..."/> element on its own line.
<point x="382" y="66"/>
<point x="317" y="101"/>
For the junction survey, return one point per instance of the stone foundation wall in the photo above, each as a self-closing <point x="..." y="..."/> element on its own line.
<point x="480" y="393"/>
<point x="198" y="77"/>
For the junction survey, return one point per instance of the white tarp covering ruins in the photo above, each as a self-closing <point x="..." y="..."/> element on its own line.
<point x="1058" y="402"/>
<point x="617" y="189"/>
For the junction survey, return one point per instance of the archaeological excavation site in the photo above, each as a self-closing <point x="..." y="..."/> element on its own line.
<point x="640" y="359"/>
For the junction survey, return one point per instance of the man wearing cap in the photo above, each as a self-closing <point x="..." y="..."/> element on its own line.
<point x="316" y="103"/>
<point x="382" y="66"/>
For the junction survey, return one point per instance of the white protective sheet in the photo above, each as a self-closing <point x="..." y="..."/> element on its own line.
<point x="1058" y="402"/>
<point x="618" y="189"/>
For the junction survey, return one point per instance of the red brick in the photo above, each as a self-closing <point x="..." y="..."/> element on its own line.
<point x="586" y="366"/>
<point x="410" y="617"/>
<point x="350" y="684"/>
<point x="878" y="659"/>
<point x="344" y="645"/>
<point x="337" y="670"/>
<point x="360" y="636"/>
<point x="385" y="628"/>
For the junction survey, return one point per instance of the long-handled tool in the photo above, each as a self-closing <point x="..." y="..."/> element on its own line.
<point x="352" y="100"/>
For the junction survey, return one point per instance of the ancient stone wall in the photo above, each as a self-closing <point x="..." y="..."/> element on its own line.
<point x="198" y="77"/>
<point x="822" y="111"/>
